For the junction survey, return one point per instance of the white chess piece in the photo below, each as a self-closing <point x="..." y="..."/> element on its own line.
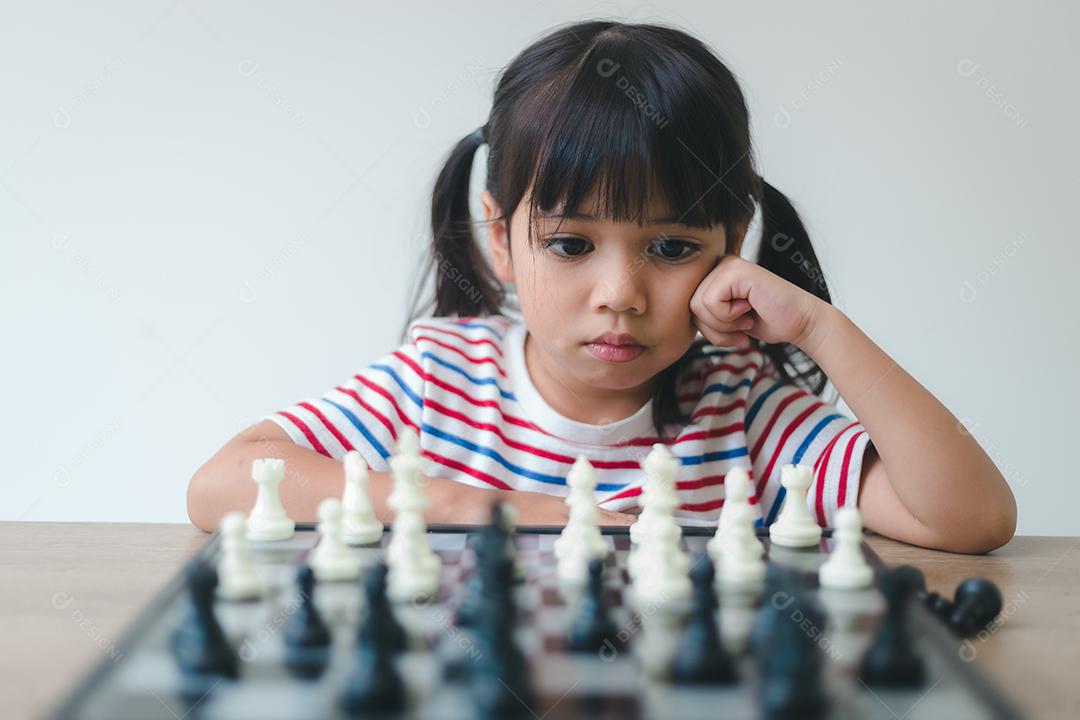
<point x="795" y="527"/>
<point x="413" y="566"/>
<point x="359" y="524"/>
<point x="741" y="555"/>
<point x="662" y="581"/>
<point x="238" y="579"/>
<point x="580" y="540"/>
<point x="331" y="558"/>
<point x="268" y="520"/>
<point x="846" y="568"/>
<point x="736" y="494"/>
<point x="659" y="500"/>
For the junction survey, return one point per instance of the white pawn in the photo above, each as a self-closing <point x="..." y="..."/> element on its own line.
<point x="662" y="581"/>
<point x="736" y="494"/>
<point x="741" y="555"/>
<point x="238" y="579"/>
<point x="268" y="520"/>
<point x="581" y="540"/>
<point x="846" y="568"/>
<point x="359" y="524"/>
<point x="795" y="527"/>
<point x="413" y="566"/>
<point x="331" y="558"/>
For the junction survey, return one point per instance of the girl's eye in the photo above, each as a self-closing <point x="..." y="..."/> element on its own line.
<point x="678" y="249"/>
<point x="667" y="250"/>
<point x="571" y="243"/>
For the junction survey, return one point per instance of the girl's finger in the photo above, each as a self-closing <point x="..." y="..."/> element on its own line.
<point x="732" y="339"/>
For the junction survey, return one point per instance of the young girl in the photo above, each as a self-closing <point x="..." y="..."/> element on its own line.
<point x="620" y="186"/>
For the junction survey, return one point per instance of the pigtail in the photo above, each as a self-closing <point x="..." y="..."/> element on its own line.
<point x="786" y="251"/>
<point x="465" y="285"/>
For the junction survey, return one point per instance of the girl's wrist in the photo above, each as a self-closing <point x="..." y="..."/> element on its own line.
<point x="823" y="320"/>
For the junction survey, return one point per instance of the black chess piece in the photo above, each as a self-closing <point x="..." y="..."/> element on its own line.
<point x="199" y="643"/>
<point x="500" y="679"/>
<point x="977" y="602"/>
<point x="379" y="624"/>
<point x="373" y="684"/>
<point x="791" y="682"/>
<point x="307" y="638"/>
<point x="781" y="589"/>
<point x="891" y="660"/>
<point x="490" y="548"/>
<point x="593" y="630"/>
<point x="701" y="658"/>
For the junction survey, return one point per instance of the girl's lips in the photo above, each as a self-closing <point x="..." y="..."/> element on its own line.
<point x="615" y="353"/>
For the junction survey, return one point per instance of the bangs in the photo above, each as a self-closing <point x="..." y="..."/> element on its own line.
<point x="629" y="134"/>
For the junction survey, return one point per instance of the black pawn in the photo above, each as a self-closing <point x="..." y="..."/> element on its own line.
<point x="701" y="658"/>
<point x="306" y="628"/>
<point x="781" y="589"/>
<point x="891" y="660"/>
<point x="374" y="684"/>
<point x="593" y="630"/>
<point x="307" y="638"/>
<point x="976" y="603"/>
<point x="500" y="680"/>
<point x="379" y="625"/>
<point x="199" y="643"/>
<point x="791" y="670"/>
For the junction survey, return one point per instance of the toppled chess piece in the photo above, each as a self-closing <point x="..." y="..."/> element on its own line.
<point x="237" y="579"/>
<point x="976" y="602"/>
<point x="795" y="527"/>
<point x="199" y="643"/>
<point x="268" y="520"/>
<point x="846" y="567"/>
<point x="359" y="524"/>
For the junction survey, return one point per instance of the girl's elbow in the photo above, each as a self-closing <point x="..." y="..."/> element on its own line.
<point x="199" y="502"/>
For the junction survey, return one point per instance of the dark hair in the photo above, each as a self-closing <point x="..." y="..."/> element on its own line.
<point x="631" y="109"/>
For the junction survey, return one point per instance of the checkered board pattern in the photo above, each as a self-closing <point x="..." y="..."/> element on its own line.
<point x="626" y="680"/>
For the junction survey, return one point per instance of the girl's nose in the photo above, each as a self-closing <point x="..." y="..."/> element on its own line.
<point x="621" y="287"/>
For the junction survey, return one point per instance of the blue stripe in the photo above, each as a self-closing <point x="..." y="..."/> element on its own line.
<point x="756" y="407"/>
<point x="363" y="430"/>
<point x="726" y="389"/>
<point x="799" y="452"/>
<point x="474" y="380"/>
<point x="401" y="383"/>
<point x="482" y="326"/>
<point x="524" y="472"/>
<point x="718" y="455"/>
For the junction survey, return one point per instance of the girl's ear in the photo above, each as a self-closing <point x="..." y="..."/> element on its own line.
<point x="498" y="238"/>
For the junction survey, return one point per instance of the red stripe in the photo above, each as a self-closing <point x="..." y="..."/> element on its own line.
<point x="468" y="470"/>
<point x="710" y="505"/>
<point x="792" y="426"/>
<point x="717" y="409"/>
<point x="329" y="425"/>
<point x="841" y="492"/>
<point x="821" y="469"/>
<point x="459" y="336"/>
<point x="459" y="351"/>
<point x="307" y="432"/>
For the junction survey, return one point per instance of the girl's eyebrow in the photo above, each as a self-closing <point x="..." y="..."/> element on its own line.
<point x="666" y="220"/>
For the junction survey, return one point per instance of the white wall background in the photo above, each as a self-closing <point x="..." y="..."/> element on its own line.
<point x="208" y="213"/>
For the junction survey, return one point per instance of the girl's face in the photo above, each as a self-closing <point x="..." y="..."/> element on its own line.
<point x="593" y="276"/>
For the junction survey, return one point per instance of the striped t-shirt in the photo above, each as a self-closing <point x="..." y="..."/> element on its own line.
<point x="463" y="386"/>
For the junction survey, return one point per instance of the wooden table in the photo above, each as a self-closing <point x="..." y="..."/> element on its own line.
<point x="69" y="590"/>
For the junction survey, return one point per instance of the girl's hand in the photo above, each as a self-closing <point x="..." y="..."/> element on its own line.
<point x="740" y="299"/>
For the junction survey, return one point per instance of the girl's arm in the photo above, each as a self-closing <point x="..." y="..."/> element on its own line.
<point x="925" y="479"/>
<point x="224" y="484"/>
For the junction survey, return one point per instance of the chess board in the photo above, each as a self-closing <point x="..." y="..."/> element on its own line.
<point x="626" y="680"/>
